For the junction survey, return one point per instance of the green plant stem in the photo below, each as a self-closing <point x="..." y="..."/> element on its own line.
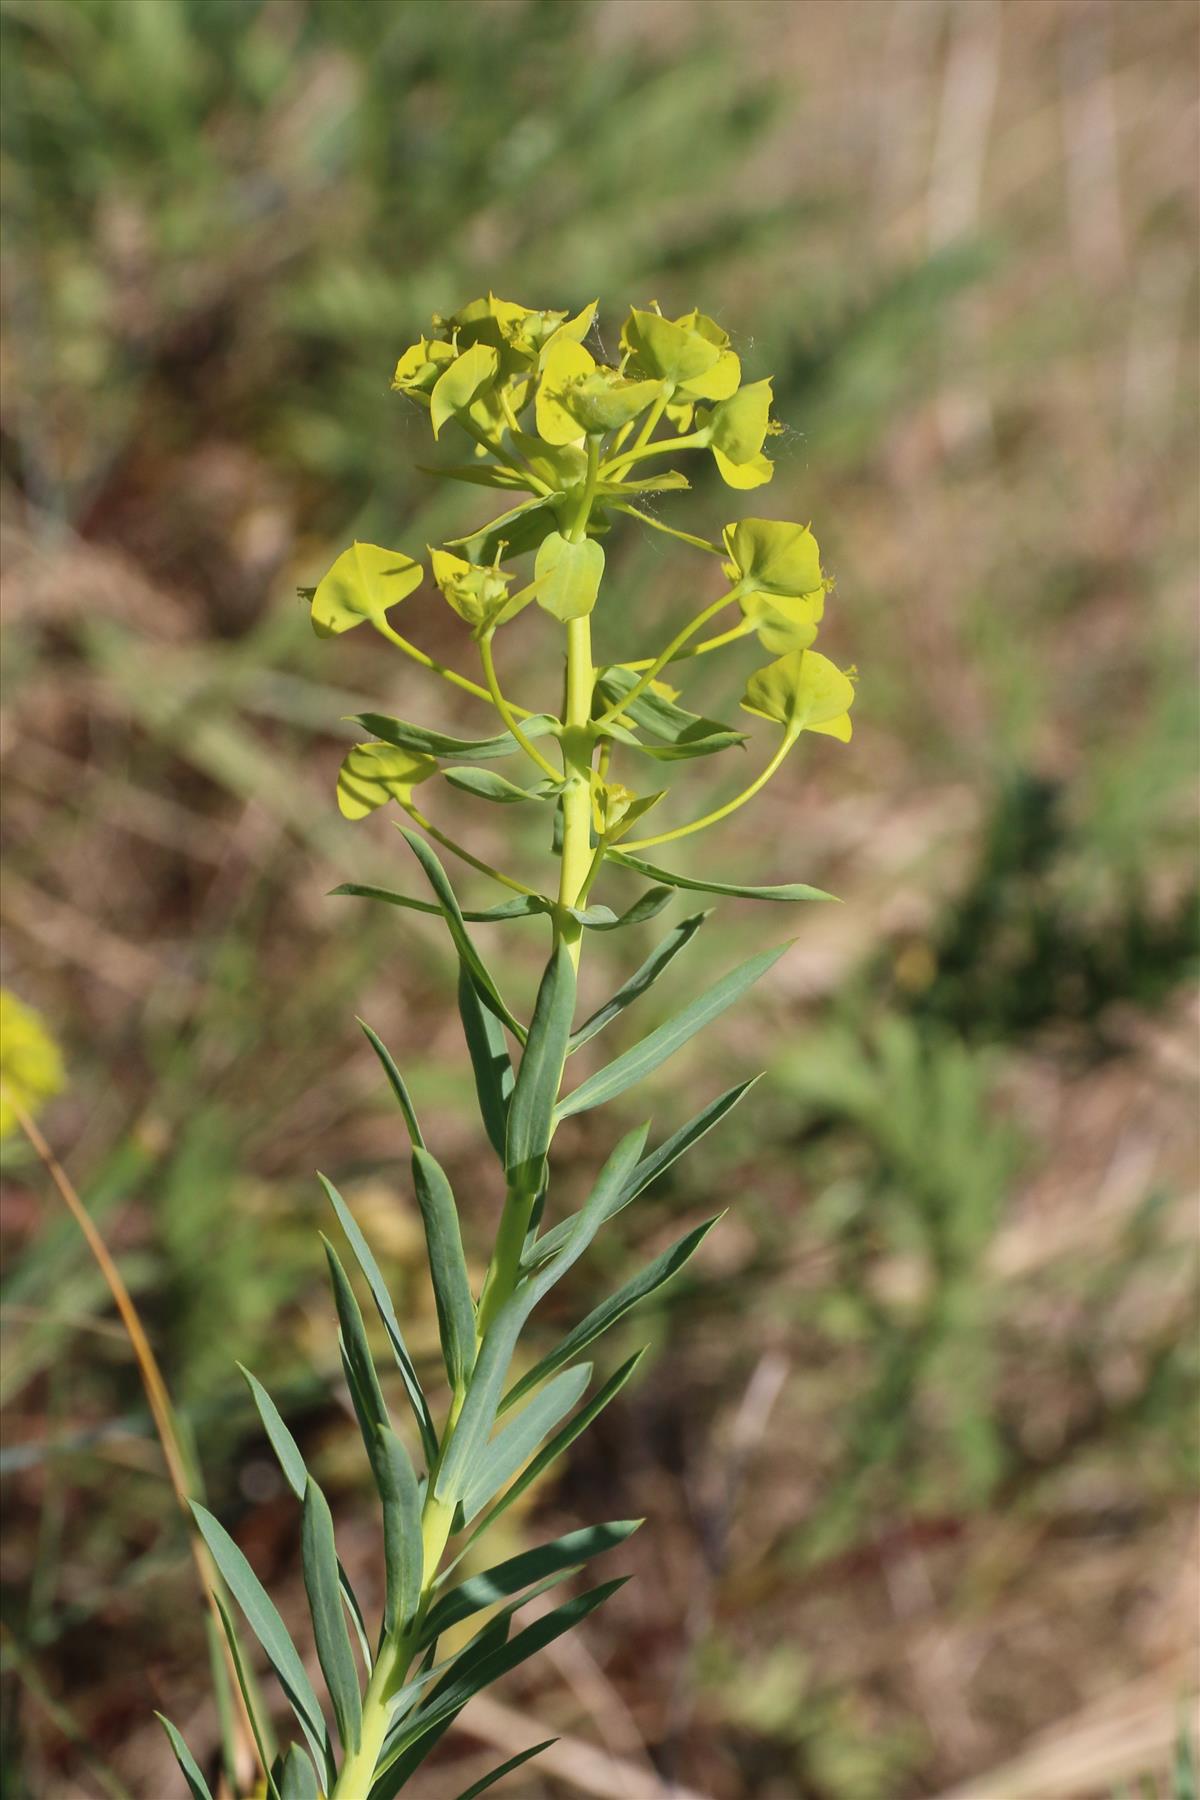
<point x="694" y="440"/>
<point x="652" y="668"/>
<point x="451" y="675"/>
<point x="461" y="851"/>
<point x="720" y="812"/>
<point x="505" y="710"/>
<point x="719" y="642"/>
<point x="525" y="476"/>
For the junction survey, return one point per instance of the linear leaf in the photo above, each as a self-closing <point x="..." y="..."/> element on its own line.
<point x="562" y="1440"/>
<point x="387" y="1312"/>
<point x="638" y="1062"/>
<point x="438" y="880"/>
<point x="531" y="1109"/>
<point x="396" y="1082"/>
<point x="298" y="1780"/>
<point x="295" y="1472"/>
<point x="517" y="1442"/>
<point x="527" y="1643"/>
<point x="792" y="890"/>
<point x="490" y="1061"/>
<point x="486" y="784"/>
<point x="514" y="1762"/>
<point x="320" y="1568"/>
<point x="263" y="1618"/>
<point x="645" y="977"/>
<point x="603" y="918"/>
<point x="436" y="743"/>
<point x="361" y="1376"/>
<point x="403" y="1550"/>
<point x="447" y="1266"/>
<point x="517" y="1572"/>
<point x="395" y="1764"/>
<point x="614" y="1308"/>
<point x="495" y="1354"/>
<point x="521" y="906"/>
<point x="648" y="1170"/>
<point x="197" y="1785"/>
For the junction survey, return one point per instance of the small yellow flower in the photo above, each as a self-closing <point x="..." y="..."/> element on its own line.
<point x="31" y="1064"/>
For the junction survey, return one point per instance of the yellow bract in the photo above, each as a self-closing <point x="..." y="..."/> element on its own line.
<point x="373" y="774"/>
<point x="364" y="581"/>
<point x="803" y="691"/>
<point x="31" y="1064"/>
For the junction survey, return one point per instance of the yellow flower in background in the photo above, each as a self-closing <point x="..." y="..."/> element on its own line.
<point x="31" y="1064"/>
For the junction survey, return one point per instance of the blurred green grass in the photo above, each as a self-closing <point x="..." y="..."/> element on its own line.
<point x="959" y="237"/>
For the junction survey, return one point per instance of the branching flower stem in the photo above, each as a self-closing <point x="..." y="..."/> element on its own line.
<point x="451" y="675"/>
<point x="461" y="851"/>
<point x="507" y="712"/>
<point x="651" y="669"/>
<point x="720" y="812"/>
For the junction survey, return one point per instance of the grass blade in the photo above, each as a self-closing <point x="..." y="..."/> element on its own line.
<point x="638" y="1062"/>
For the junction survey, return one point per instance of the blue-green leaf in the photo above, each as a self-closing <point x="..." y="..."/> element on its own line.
<point x="436" y="743"/>
<point x="263" y="1618"/>
<point x="361" y="1376"/>
<point x="615" y="1307"/>
<point x="387" y="1313"/>
<point x="645" y="977"/>
<point x="490" y="1061"/>
<point x="320" y="1567"/>
<point x="506" y="1452"/>
<point x="646" y="1056"/>
<point x="506" y="1768"/>
<point x="447" y="1266"/>
<point x="298" y="1779"/>
<point x="489" y="993"/>
<point x="531" y="1109"/>
<point x="603" y="918"/>
<point x="553" y="1448"/>
<point x="197" y="1786"/>
<point x="403" y="1549"/>
<point x="486" y="784"/>
<point x="396" y="1082"/>
<point x="521" y="1571"/>
<point x="793" y="890"/>
<point x="521" y="906"/>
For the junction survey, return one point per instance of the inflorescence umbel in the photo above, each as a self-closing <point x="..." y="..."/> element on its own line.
<point x="574" y="444"/>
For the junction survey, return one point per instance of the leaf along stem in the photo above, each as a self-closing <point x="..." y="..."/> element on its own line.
<point x="720" y="812"/>
<point x="461" y="851"/>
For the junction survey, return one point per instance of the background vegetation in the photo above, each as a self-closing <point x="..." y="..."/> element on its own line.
<point x="918" y="1433"/>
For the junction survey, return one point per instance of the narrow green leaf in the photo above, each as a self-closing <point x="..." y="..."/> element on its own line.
<point x="521" y="1571"/>
<point x="387" y="1313"/>
<point x="319" y="1563"/>
<point x="514" y="1762"/>
<point x="527" y="1643"/>
<point x="513" y="1446"/>
<point x="489" y="993"/>
<point x="486" y="784"/>
<point x="396" y="1082"/>
<point x="478" y="1415"/>
<point x="614" y="1308"/>
<point x="490" y="1061"/>
<point x="531" y="1109"/>
<point x="639" y="1061"/>
<point x="362" y="1378"/>
<point x="645" y="977"/>
<point x="263" y="1618"/>
<point x="521" y="906"/>
<point x="673" y="725"/>
<point x="793" y="890"/>
<point x="197" y="1786"/>
<point x="647" y="1171"/>
<point x="552" y="1450"/>
<point x="298" y="1780"/>
<point x="396" y="1764"/>
<point x="295" y="1472"/>
<point x="447" y="1266"/>
<point x="602" y="918"/>
<point x="436" y="743"/>
<point x="403" y="1549"/>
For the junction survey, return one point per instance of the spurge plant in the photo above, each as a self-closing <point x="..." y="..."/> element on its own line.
<point x="572" y="442"/>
